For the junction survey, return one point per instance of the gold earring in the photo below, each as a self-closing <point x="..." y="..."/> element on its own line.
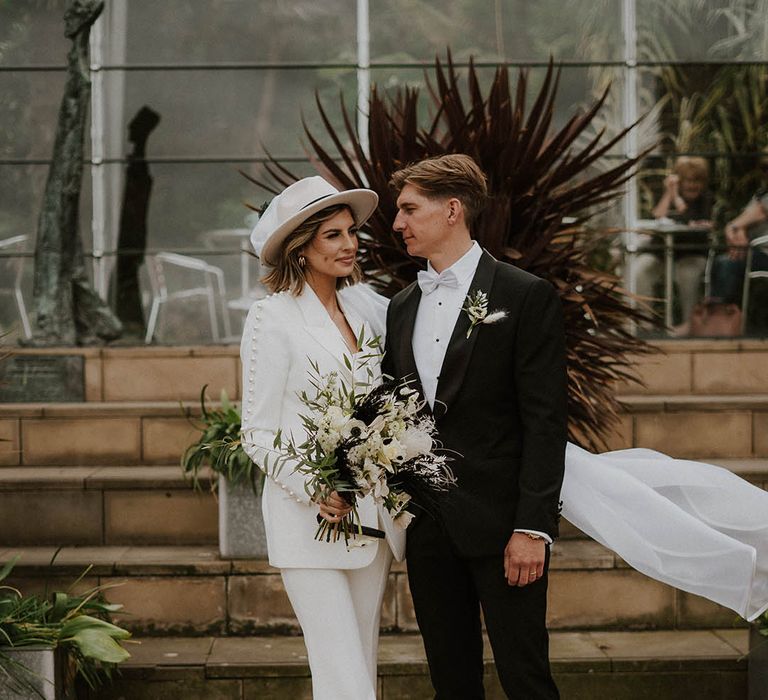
<point x="302" y="261"/>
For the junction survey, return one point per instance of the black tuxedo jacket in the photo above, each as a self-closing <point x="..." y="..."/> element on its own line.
<point x="500" y="407"/>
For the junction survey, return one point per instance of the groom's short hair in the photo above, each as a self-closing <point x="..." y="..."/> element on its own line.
<point x="442" y="177"/>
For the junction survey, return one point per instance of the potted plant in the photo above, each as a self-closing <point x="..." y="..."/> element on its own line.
<point x="47" y="642"/>
<point x="238" y="480"/>
<point x="758" y="658"/>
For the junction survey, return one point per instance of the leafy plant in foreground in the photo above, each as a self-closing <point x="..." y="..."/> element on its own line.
<point x="78" y="624"/>
<point x="219" y="447"/>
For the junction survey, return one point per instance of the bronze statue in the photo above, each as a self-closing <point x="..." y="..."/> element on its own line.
<point x="68" y="310"/>
<point x="132" y="239"/>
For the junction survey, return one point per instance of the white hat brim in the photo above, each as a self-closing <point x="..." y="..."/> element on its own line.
<point x="362" y="203"/>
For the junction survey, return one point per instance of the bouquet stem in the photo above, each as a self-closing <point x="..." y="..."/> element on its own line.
<point x="330" y="532"/>
<point x="349" y="527"/>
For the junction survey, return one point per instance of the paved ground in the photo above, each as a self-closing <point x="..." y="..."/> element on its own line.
<point x="663" y="650"/>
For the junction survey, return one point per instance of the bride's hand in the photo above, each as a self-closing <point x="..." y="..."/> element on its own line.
<point x="334" y="508"/>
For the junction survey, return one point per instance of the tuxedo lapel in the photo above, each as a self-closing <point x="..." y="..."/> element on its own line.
<point x="460" y="348"/>
<point x="405" y="320"/>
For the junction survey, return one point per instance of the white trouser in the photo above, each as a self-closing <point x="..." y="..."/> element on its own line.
<point x="688" y="273"/>
<point x="339" y="611"/>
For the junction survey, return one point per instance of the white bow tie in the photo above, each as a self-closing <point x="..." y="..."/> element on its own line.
<point x="429" y="280"/>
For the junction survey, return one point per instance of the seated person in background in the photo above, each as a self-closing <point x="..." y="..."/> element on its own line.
<point x="686" y="200"/>
<point x="729" y="268"/>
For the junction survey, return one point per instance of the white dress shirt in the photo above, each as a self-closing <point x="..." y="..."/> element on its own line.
<point x="436" y="316"/>
<point x="435" y="319"/>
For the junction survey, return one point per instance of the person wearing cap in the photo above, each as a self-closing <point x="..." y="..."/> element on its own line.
<point x="315" y="314"/>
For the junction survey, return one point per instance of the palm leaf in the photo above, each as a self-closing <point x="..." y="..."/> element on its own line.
<point x="539" y="178"/>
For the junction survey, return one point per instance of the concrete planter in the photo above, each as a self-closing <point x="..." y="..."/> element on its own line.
<point x="241" y="525"/>
<point x="758" y="665"/>
<point x="44" y="672"/>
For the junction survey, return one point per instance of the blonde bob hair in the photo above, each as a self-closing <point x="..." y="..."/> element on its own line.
<point x="288" y="273"/>
<point x="692" y="168"/>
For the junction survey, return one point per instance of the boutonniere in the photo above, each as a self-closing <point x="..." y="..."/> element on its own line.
<point x="476" y="307"/>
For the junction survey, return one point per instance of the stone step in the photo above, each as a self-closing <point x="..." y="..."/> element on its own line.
<point x="131" y="505"/>
<point x="151" y="373"/>
<point x="145" y="505"/>
<point x="668" y="665"/>
<point x="97" y="433"/>
<point x="738" y="366"/>
<point x="192" y="591"/>
<point x="127" y="433"/>
<point x="712" y="366"/>
<point x="695" y="427"/>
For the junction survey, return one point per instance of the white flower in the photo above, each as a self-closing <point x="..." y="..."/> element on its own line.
<point x="373" y="444"/>
<point x="396" y="428"/>
<point x="328" y="440"/>
<point x="357" y="454"/>
<point x="380" y="490"/>
<point x="476" y="307"/>
<point x="403" y="519"/>
<point x="391" y="451"/>
<point x="417" y="442"/>
<point x="378" y="423"/>
<point x="353" y="428"/>
<point x="336" y="418"/>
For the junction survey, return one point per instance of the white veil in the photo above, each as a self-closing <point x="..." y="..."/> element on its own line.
<point x="692" y="525"/>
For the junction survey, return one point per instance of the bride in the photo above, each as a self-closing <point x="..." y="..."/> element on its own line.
<point x="316" y="312"/>
<point x="694" y="526"/>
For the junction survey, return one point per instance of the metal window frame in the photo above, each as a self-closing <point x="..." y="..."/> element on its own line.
<point x="362" y="66"/>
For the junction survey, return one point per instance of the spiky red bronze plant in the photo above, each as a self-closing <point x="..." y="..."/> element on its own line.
<point x="539" y="178"/>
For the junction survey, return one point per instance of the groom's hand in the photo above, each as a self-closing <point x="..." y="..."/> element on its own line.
<point x="524" y="559"/>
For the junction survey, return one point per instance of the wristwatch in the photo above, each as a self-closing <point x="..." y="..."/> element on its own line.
<point x="531" y="536"/>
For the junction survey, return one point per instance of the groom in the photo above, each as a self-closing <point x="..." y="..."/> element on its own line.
<point x="497" y="389"/>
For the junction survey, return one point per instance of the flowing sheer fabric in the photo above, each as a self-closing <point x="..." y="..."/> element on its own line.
<point x="692" y="525"/>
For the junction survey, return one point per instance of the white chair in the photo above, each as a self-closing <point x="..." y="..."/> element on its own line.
<point x="12" y="268"/>
<point x="760" y="243"/>
<point x="224" y="238"/>
<point x="213" y="287"/>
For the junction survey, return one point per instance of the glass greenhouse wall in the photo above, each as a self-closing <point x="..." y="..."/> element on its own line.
<point x="234" y="79"/>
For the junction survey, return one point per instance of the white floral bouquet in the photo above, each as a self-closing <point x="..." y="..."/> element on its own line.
<point x="367" y="439"/>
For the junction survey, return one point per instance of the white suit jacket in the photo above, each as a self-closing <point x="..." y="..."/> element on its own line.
<point x="283" y="334"/>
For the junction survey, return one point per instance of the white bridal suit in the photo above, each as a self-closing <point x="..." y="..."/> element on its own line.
<point x="336" y="592"/>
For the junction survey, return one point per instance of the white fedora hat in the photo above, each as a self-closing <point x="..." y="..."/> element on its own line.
<point x="296" y="203"/>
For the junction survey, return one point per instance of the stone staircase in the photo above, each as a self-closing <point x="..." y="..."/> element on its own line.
<point x="101" y="480"/>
